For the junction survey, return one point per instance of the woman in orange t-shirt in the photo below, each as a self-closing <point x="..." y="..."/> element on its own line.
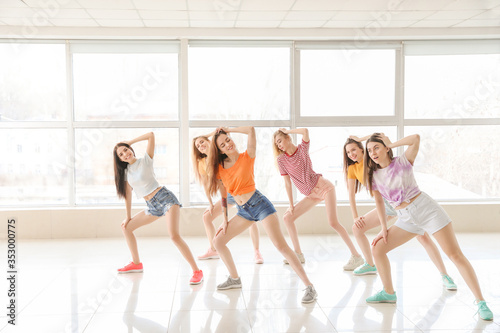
<point x="200" y="150"/>
<point x="230" y="171"/>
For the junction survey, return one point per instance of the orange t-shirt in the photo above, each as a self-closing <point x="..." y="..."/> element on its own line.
<point x="356" y="171"/>
<point x="239" y="179"/>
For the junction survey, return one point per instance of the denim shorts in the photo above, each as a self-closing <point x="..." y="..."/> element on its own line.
<point x="257" y="208"/>
<point x="161" y="202"/>
<point x="230" y="200"/>
<point x="389" y="210"/>
<point x="422" y="215"/>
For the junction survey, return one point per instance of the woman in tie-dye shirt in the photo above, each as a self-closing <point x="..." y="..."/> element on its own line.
<point x="393" y="179"/>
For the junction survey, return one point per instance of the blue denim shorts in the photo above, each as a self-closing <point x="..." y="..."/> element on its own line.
<point x="257" y="208"/>
<point x="230" y="200"/>
<point x="161" y="202"/>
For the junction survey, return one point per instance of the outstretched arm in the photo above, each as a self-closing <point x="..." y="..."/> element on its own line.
<point x="252" y="139"/>
<point x="302" y="131"/>
<point x="151" y="142"/>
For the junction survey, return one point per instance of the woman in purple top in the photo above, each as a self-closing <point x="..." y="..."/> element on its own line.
<point x="393" y="179"/>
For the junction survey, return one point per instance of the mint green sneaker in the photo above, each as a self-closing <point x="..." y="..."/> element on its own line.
<point x="448" y="282"/>
<point x="484" y="311"/>
<point x="365" y="269"/>
<point x="382" y="297"/>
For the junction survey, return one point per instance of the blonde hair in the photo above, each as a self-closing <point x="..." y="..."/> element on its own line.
<point x="196" y="157"/>
<point x="276" y="151"/>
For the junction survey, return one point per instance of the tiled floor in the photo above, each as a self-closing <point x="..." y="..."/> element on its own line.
<point x="71" y="286"/>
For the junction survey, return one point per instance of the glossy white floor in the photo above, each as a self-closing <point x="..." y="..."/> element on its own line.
<point x="71" y="286"/>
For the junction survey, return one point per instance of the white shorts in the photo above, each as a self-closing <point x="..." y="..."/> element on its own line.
<point x="422" y="215"/>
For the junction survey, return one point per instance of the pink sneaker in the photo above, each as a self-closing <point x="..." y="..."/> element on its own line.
<point x="131" y="268"/>
<point x="258" y="257"/>
<point x="197" y="277"/>
<point x="210" y="254"/>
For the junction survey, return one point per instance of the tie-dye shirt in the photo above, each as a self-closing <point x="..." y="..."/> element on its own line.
<point x="396" y="182"/>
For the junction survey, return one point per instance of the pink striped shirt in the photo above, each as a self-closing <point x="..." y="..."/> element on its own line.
<point x="299" y="167"/>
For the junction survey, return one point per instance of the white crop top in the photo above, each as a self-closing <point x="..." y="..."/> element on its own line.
<point x="141" y="176"/>
<point x="396" y="182"/>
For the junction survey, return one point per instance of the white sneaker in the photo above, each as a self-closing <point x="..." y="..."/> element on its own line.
<point x="353" y="263"/>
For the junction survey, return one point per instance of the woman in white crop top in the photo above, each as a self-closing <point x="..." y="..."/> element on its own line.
<point x="132" y="173"/>
<point x="393" y="179"/>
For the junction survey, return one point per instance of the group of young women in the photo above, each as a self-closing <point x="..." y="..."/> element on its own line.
<point x="221" y="168"/>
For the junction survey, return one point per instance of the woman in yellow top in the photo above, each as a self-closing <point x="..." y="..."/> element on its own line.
<point x="354" y="171"/>
<point x="230" y="171"/>
<point x="200" y="150"/>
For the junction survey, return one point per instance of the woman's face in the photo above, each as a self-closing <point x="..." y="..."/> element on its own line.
<point x="354" y="152"/>
<point x="377" y="152"/>
<point x="202" y="145"/>
<point x="282" y="141"/>
<point x="226" y="144"/>
<point x="125" y="154"/>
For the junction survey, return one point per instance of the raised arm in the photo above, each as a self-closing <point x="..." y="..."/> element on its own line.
<point x="363" y="138"/>
<point x="151" y="142"/>
<point x="412" y="141"/>
<point x="252" y="139"/>
<point x="302" y="131"/>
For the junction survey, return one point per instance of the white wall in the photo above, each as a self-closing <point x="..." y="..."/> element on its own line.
<point x="105" y="222"/>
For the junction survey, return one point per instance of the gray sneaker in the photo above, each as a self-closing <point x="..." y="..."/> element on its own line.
<point x="310" y="295"/>
<point x="299" y="255"/>
<point x="230" y="284"/>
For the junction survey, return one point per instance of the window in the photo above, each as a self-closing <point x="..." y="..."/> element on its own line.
<point x="452" y="86"/>
<point x="239" y="83"/>
<point x="124" y="86"/>
<point x="32" y="82"/>
<point x="94" y="168"/>
<point x="341" y="83"/>
<point x="458" y="162"/>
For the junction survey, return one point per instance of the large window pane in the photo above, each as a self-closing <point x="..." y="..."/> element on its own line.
<point x="94" y="161"/>
<point x="326" y="153"/>
<point x="35" y="167"/>
<point x="126" y="86"/>
<point x="267" y="176"/>
<point x="239" y="83"/>
<point x="458" y="162"/>
<point x="340" y="83"/>
<point x="32" y="82"/>
<point x="452" y="86"/>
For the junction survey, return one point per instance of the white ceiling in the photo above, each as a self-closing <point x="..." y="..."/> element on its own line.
<point x="282" y="14"/>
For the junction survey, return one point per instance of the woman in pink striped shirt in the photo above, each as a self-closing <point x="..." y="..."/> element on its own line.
<point x="295" y="165"/>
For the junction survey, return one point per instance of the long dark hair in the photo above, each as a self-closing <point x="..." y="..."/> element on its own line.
<point x="371" y="166"/>
<point x="120" y="168"/>
<point x="348" y="162"/>
<point x="214" y="159"/>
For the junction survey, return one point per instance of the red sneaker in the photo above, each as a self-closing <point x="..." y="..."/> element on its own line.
<point x="131" y="268"/>
<point x="197" y="277"/>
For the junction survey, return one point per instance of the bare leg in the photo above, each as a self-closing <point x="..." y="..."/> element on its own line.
<point x="331" y="213"/>
<point x="395" y="237"/>
<point x="433" y="252"/>
<point x="173" y="230"/>
<point x="449" y="244"/>
<point x="140" y="219"/>
<point x="303" y="206"/>
<point x="208" y="222"/>
<point x="371" y="221"/>
<point x="235" y="227"/>
<point x="273" y="230"/>
<point x="254" y="234"/>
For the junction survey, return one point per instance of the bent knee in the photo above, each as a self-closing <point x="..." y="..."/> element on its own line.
<point x="379" y="249"/>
